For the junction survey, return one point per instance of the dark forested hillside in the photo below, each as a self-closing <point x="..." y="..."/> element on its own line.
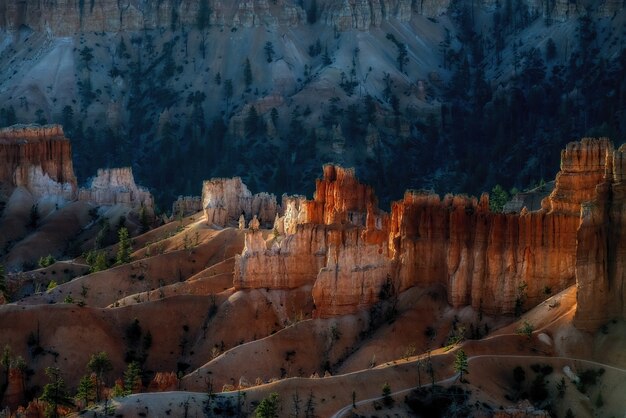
<point x="456" y="100"/>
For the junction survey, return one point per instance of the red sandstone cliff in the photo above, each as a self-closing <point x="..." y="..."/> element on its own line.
<point x="38" y="158"/>
<point x="342" y="245"/>
<point x="601" y="255"/>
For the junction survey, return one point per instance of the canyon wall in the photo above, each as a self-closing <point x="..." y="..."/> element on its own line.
<point x="601" y="255"/>
<point x="498" y="263"/>
<point x="67" y="17"/>
<point x="38" y="158"/>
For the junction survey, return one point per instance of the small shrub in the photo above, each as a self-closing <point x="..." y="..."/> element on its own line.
<point x="387" y="399"/>
<point x="46" y="261"/>
<point x="525" y="329"/>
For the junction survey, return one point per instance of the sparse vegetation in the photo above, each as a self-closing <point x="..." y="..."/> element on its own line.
<point x="526" y="329"/>
<point x="269" y="407"/>
<point x="124" y="248"/>
<point x="46" y="261"/>
<point x="461" y="364"/>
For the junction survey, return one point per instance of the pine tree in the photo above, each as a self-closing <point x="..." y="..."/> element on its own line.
<point x="124" y="247"/>
<point x="460" y="364"/>
<point x="269" y="51"/>
<point x="268" y="408"/>
<point x="132" y="378"/>
<point x="247" y="73"/>
<point x="55" y="393"/>
<point x="86" y="391"/>
<point x="99" y="364"/>
<point x="387" y="399"/>
<point x="311" y="14"/>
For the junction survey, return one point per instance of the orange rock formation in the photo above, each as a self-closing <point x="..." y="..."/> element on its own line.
<point x="347" y="249"/>
<point x="38" y="158"/>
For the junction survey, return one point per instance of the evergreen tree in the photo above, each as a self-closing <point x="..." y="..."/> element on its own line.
<point x="498" y="198"/>
<point x="124" y="247"/>
<point x="67" y="120"/>
<point x="86" y="55"/>
<point x="311" y="14"/>
<point x="202" y="23"/>
<point x="99" y="364"/>
<point x="86" y="391"/>
<point x="55" y="393"/>
<point x="387" y="399"/>
<point x="247" y="73"/>
<point x="132" y="378"/>
<point x="268" y="408"/>
<point x="461" y="364"/>
<point x="269" y="51"/>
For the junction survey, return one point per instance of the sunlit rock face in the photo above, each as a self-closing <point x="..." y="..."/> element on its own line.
<point x="114" y="186"/>
<point x="225" y="200"/>
<point x="39" y="159"/>
<point x="601" y="256"/>
<point x="342" y="245"/>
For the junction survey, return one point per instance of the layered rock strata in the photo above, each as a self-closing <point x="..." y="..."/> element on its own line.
<point x="342" y="245"/>
<point x="225" y="200"/>
<point x="187" y="205"/>
<point x="39" y="159"/>
<point x="601" y="255"/>
<point x="64" y="17"/>
<point x="116" y="186"/>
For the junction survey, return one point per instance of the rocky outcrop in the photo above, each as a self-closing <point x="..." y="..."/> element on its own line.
<point x="334" y="243"/>
<point x="531" y="200"/>
<point x="339" y="198"/>
<point x="600" y="265"/>
<point x="186" y="205"/>
<point x="14" y="395"/>
<point x="38" y="158"/>
<point x="163" y="382"/>
<point x="491" y="261"/>
<point x="116" y="186"/>
<point x="66" y="18"/>
<point x="363" y="14"/>
<point x="498" y="263"/>
<point x="583" y="167"/>
<point x="225" y="200"/>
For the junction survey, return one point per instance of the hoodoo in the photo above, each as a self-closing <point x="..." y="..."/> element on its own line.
<point x="342" y="245"/>
<point x="38" y="158"/>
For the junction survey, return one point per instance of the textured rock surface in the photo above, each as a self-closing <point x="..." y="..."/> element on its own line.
<point x="531" y="200"/>
<point x="113" y="186"/>
<point x="225" y="200"/>
<point x="187" y="205"/>
<point x="582" y="168"/>
<point x="65" y="17"/>
<point x="483" y="259"/>
<point x="600" y="269"/>
<point x="14" y="395"/>
<point x="340" y="243"/>
<point x="336" y="241"/>
<point x="38" y="158"/>
<point x="339" y="198"/>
